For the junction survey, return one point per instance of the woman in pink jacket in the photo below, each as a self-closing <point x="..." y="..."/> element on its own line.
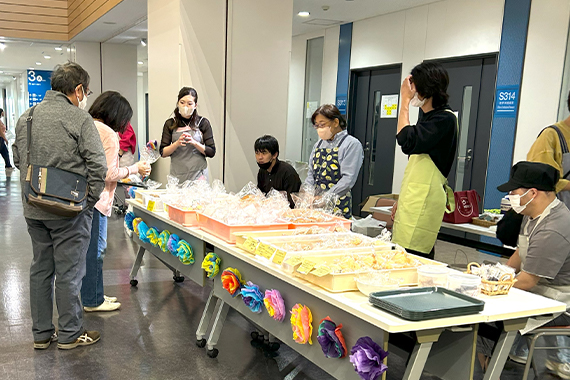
<point x="112" y="113"/>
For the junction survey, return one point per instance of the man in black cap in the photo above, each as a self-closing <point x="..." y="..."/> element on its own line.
<point x="542" y="258"/>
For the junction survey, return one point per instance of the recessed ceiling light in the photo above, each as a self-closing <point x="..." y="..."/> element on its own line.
<point x="68" y="50"/>
<point x="143" y="41"/>
<point x="47" y="56"/>
<point x="1" y="72"/>
<point x="58" y="48"/>
<point x="2" y="45"/>
<point x="31" y="68"/>
<point x="38" y="63"/>
<point x="304" y="14"/>
<point x="141" y="63"/>
<point x="109" y="23"/>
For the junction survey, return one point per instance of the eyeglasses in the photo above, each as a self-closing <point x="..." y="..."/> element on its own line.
<point x="89" y="93"/>
<point x="321" y="125"/>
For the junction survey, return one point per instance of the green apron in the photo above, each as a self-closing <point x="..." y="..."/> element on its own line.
<point x="423" y="199"/>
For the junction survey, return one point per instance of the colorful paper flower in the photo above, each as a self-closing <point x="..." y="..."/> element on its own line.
<point x="331" y="340"/>
<point x="143" y="230"/>
<point x="252" y="297"/>
<point x="367" y="357"/>
<point x="131" y="192"/>
<point x="211" y="264"/>
<point x="173" y="244"/>
<point x="152" y="235"/>
<point x="185" y="253"/>
<point x="232" y="281"/>
<point x="129" y="218"/>
<point x="274" y="304"/>
<point x="163" y="240"/>
<point x="136" y="223"/>
<point x="301" y="323"/>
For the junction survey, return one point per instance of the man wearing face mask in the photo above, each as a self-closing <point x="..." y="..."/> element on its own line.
<point x="274" y="174"/>
<point x="542" y="257"/>
<point x="431" y="146"/>
<point x="63" y="136"/>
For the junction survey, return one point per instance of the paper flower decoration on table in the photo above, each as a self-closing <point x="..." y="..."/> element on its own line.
<point x="331" y="340"/>
<point x="232" y="281"/>
<point x="367" y="357"/>
<point x="136" y="223"/>
<point x="301" y="323"/>
<point x="274" y="304"/>
<point x="172" y="244"/>
<point x="252" y="297"/>
<point x="211" y="264"/>
<point x="185" y="253"/>
<point x="129" y="219"/>
<point x="152" y="235"/>
<point x="143" y="230"/>
<point x="163" y="240"/>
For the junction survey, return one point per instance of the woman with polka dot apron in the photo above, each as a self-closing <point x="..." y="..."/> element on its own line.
<point x="336" y="158"/>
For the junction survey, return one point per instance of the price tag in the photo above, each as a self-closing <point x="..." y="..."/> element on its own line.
<point x="150" y="205"/>
<point x="265" y="251"/>
<point x="306" y="267"/>
<point x="294" y="260"/>
<point x="321" y="271"/>
<point x="250" y="245"/>
<point x="279" y="257"/>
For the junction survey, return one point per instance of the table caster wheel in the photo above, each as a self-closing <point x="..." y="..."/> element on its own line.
<point x="255" y="335"/>
<point x="213" y="353"/>
<point x="134" y="282"/>
<point x="201" y="343"/>
<point x="178" y="279"/>
<point x="273" y="346"/>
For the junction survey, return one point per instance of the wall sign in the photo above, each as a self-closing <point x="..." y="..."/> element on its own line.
<point x="507" y="101"/>
<point x="389" y="107"/>
<point x="341" y="103"/>
<point x="39" y="82"/>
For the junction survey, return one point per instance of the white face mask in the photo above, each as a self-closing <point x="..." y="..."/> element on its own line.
<point x="82" y="103"/>
<point x="186" y="111"/>
<point x="416" y="102"/>
<point x="516" y="202"/>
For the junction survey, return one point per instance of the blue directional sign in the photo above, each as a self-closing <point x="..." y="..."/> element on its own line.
<point x="507" y="101"/>
<point x="39" y="82"/>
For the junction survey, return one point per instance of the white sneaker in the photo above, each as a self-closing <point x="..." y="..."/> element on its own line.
<point x="552" y="365"/>
<point x="518" y="359"/>
<point x="105" y="306"/>
<point x="563" y="370"/>
<point x="110" y="299"/>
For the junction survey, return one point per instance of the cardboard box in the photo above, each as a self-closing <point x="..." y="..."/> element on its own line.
<point x="380" y="200"/>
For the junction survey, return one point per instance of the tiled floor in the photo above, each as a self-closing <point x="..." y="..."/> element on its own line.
<point x="153" y="335"/>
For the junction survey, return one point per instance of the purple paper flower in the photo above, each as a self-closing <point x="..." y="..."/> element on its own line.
<point x="252" y="297"/>
<point x="367" y="358"/>
<point x="331" y="340"/>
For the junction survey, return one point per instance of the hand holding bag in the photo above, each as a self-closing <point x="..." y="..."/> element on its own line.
<point x="466" y="207"/>
<point x="51" y="189"/>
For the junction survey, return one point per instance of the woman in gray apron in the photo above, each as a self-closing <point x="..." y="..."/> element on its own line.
<point x="187" y="139"/>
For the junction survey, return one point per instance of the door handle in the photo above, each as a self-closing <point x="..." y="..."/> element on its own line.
<point x="468" y="157"/>
<point x="367" y="146"/>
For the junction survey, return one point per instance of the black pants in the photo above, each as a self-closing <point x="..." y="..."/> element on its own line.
<point x="4" y="153"/>
<point x="430" y="255"/>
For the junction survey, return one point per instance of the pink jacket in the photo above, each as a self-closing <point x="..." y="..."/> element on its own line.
<point x="110" y="141"/>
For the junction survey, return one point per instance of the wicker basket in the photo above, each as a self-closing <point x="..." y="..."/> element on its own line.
<point x="495" y="288"/>
<point x="483" y="223"/>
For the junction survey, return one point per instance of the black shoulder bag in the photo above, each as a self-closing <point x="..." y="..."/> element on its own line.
<point x="51" y="189"/>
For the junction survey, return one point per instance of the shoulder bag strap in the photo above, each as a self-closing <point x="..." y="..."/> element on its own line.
<point x="563" y="142"/>
<point x="29" y="137"/>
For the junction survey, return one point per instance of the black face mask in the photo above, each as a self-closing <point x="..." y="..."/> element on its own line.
<point x="265" y="166"/>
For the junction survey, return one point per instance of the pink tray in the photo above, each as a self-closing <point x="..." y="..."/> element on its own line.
<point x="226" y="232"/>
<point x="186" y="218"/>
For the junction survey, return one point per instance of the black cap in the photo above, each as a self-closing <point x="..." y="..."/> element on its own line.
<point x="530" y="175"/>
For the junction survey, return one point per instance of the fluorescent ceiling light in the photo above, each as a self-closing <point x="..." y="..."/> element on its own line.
<point x="141" y="63"/>
<point x="38" y="63"/>
<point x="143" y="42"/>
<point x="58" y="48"/>
<point x="304" y="14"/>
<point x="2" y="45"/>
<point x="47" y="56"/>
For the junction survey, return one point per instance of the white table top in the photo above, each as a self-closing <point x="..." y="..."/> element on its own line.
<point x="517" y="304"/>
<point x="464" y="227"/>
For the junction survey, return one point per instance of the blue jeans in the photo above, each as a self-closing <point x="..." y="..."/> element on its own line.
<point x="92" y="288"/>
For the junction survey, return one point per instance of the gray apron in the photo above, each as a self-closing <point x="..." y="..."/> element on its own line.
<point x="556" y="292"/>
<point x="187" y="163"/>
<point x="564" y="196"/>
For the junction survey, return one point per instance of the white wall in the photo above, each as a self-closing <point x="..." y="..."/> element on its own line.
<point x="296" y="106"/>
<point x="88" y="55"/>
<point x="543" y="71"/>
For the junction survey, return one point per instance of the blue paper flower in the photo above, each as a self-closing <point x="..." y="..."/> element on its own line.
<point x="252" y="297"/>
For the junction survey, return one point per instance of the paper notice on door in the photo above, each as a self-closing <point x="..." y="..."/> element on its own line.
<point x="311" y="108"/>
<point x="389" y="107"/>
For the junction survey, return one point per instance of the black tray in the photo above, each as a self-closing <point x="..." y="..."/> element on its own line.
<point x="419" y="304"/>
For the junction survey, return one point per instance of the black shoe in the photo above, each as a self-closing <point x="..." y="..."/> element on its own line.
<point x="44" y="344"/>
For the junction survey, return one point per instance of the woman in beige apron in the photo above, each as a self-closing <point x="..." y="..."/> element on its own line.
<point x="431" y="145"/>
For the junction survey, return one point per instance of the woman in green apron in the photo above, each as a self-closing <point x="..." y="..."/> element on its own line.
<point x="431" y="146"/>
<point x="187" y="139"/>
<point x="336" y="158"/>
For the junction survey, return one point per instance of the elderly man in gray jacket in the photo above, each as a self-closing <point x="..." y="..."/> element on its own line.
<point x="65" y="137"/>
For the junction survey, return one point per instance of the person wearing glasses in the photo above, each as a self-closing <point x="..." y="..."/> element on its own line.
<point x="336" y="158"/>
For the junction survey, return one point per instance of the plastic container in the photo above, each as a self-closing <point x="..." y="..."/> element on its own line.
<point x="467" y="284"/>
<point x="227" y="232"/>
<point x="186" y="218"/>
<point x="366" y="283"/>
<point x="145" y="196"/>
<point x="432" y="275"/>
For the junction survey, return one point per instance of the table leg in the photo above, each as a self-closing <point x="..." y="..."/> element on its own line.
<point x="501" y="352"/>
<point x="211" y="304"/>
<point x="218" y="325"/>
<point x="136" y="265"/>
<point x="420" y="353"/>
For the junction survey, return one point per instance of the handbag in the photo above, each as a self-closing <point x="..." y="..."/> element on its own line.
<point x="56" y="191"/>
<point x="466" y="207"/>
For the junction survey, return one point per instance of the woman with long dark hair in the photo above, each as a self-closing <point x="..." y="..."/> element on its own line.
<point x="187" y="139"/>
